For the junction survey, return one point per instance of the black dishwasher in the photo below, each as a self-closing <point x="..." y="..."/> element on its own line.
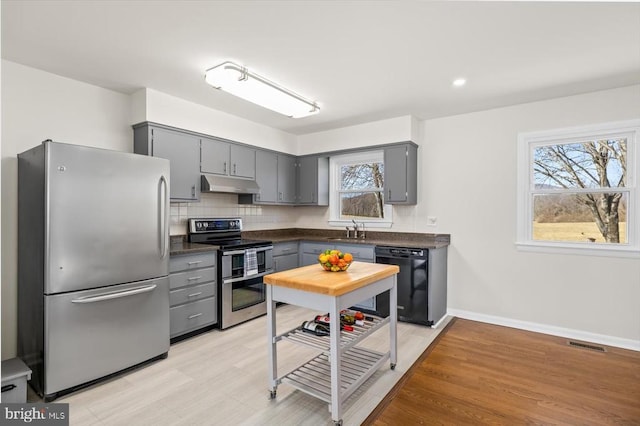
<point x="419" y="301"/>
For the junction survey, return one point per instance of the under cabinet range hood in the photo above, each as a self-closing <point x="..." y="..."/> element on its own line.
<point x="214" y="183"/>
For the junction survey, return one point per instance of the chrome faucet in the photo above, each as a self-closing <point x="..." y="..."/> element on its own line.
<point x="362" y="231"/>
<point x="355" y="228"/>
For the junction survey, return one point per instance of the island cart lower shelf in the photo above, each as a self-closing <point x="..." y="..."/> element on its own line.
<point x="342" y="366"/>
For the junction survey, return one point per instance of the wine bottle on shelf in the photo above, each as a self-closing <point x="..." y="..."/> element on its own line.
<point x="325" y="320"/>
<point x="315" y="328"/>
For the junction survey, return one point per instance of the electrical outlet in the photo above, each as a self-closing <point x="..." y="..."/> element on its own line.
<point x="432" y="220"/>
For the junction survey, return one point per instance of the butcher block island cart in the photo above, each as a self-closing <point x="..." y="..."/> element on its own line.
<point x="342" y="366"/>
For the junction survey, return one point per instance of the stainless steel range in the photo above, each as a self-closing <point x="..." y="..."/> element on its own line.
<point x="241" y="265"/>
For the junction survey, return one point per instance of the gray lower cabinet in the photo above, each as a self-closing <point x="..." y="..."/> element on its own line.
<point x="223" y="157"/>
<point x="285" y="256"/>
<point x="193" y="292"/>
<point x="313" y="181"/>
<point x="401" y="174"/>
<point x="181" y="149"/>
<point x="361" y="253"/>
<point x="309" y="251"/>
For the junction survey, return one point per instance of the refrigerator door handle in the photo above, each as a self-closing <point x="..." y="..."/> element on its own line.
<point x="115" y="295"/>
<point x="162" y="216"/>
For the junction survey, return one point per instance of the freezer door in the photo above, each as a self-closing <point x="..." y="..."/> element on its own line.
<point x="94" y="333"/>
<point x="107" y="220"/>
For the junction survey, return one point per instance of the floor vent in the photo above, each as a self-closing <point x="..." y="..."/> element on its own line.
<point x="586" y="346"/>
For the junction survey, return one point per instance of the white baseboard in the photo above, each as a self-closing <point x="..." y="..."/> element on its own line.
<point x="602" y="339"/>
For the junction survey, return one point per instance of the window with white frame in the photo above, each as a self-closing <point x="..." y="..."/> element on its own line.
<point x="578" y="189"/>
<point x="357" y="190"/>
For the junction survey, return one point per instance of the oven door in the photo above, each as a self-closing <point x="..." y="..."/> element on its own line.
<point x="232" y="263"/>
<point x="242" y="300"/>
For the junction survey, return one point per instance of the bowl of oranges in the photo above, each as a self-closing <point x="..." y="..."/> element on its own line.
<point x="335" y="260"/>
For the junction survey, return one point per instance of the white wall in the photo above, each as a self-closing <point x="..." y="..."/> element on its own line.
<point x="469" y="183"/>
<point x="166" y="109"/>
<point x="38" y="106"/>
<point x="399" y="129"/>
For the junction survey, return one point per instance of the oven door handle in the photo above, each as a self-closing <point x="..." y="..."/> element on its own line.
<point x="231" y="253"/>
<point x="245" y="278"/>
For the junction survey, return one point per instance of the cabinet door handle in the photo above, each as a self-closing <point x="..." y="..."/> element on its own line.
<point x="7" y="388"/>
<point x="194" y="316"/>
<point x="195" y="262"/>
<point x="195" y="294"/>
<point x="234" y="168"/>
<point x="224" y="167"/>
<point x="193" y="278"/>
<point x="193" y="191"/>
<point x="389" y="196"/>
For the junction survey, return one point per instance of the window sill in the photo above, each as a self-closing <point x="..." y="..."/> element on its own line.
<point x="367" y="225"/>
<point x="579" y="249"/>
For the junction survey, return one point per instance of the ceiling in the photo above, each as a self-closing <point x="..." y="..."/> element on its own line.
<point x="361" y="60"/>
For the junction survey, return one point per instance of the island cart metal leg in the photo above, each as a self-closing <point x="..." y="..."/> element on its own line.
<point x="334" y="338"/>
<point x="271" y="331"/>
<point x="393" y="322"/>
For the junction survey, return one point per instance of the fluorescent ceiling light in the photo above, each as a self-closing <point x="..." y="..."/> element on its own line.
<point x="241" y="82"/>
<point x="459" y="82"/>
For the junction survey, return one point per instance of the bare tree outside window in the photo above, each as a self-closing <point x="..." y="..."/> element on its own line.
<point x="361" y="191"/>
<point x="580" y="191"/>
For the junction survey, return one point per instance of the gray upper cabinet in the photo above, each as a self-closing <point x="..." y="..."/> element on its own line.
<point x="286" y="179"/>
<point x="266" y="177"/>
<point x="276" y="177"/>
<point x="313" y="181"/>
<point x="401" y="174"/>
<point x="243" y="162"/>
<point x="214" y="156"/>
<point x="224" y="158"/>
<point x="183" y="152"/>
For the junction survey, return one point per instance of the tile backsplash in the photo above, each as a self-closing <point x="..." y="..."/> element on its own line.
<point x="226" y="205"/>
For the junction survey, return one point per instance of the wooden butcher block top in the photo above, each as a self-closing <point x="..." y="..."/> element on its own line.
<point x="314" y="279"/>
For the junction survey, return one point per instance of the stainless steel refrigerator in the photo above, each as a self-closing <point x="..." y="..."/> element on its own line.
<point x="93" y="263"/>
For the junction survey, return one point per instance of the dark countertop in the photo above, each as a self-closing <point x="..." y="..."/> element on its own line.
<point x="329" y="236"/>
<point x="180" y="246"/>
<point x="375" y="238"/>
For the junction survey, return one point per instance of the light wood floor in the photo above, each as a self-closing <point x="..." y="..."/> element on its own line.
<point x="220" y="378"/>
<point x="479" y="373"/>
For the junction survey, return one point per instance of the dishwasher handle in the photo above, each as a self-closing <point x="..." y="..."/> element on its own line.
<point x="400" y="252"/>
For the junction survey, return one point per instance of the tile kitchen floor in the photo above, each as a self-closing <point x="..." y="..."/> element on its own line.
<point x="220" y="377"/>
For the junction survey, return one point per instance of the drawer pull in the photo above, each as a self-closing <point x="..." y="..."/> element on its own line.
<point x="286" y="249"/>
<point x="194" y="278"/>
<point x="194" y="316"/>
<point x="7" y="388"/>
<point x="195" y="262"/>
<point x="195" y="294"/>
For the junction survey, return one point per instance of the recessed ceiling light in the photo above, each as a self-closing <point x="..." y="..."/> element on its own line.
<point x="459" y="82"/>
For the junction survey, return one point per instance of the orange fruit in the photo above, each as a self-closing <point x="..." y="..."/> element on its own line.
<point x="348" y="257"/>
